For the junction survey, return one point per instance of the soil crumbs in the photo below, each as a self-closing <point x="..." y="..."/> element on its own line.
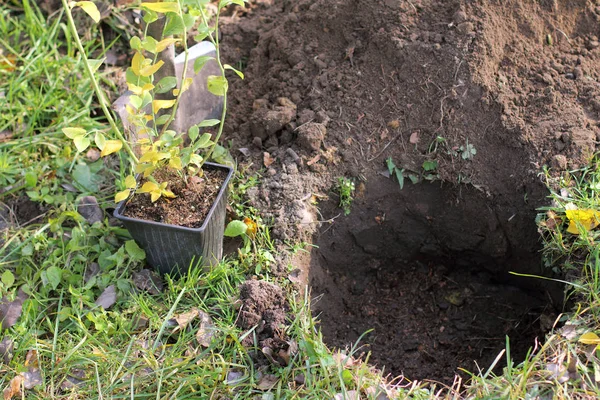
<point x="191" y="206"/>
<point x="430" y="320"/>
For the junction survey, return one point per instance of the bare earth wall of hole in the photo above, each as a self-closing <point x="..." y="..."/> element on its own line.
<point x="427" y="269"/>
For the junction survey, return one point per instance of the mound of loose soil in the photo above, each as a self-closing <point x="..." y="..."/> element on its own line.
<point x="263" y="306"/>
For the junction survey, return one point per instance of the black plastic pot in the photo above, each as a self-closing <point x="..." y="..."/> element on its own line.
<point x="174" y="249"/>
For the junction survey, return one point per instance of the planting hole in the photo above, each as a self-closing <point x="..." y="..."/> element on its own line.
<point x="427" y="269"/>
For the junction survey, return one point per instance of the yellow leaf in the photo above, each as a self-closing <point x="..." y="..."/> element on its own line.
<point x="149" y="187"/>
<point x="252" y="227"/>
<point x="137" y="62"/>
<point x="163" y="185"/>
<point x="163" y="44"/>
<point x="143" y="141"/>
<point x="162" y="7"/>
<point x="175" y="163"/>
<point x="134" y="88"/>
<point x="586" y="218"/>
<point x="151" y="69"/>
<point x="149" y="156"/>
<point x="119" y="197"/>
<point x="168" y="193"/>
<point x="130" y="182"/>
<point x="589" y="338"/>
<point x="160" y="104"/>
<point x="111" y="146"/>
<point x="186" y="85"/>
<point x="154" y="196"/>
<point x="90" y="8"/>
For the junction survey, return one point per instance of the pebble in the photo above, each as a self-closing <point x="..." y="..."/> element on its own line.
<point x="459" y="17"/>
<point x="89" y="209"/>
<point x="578" y="73"/>
<point x="465" y="28"/>
<point x="559" y="162"/>
<point x="257" y="142"/>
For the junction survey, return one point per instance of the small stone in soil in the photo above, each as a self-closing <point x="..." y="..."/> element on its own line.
<point x="89" y="208"/>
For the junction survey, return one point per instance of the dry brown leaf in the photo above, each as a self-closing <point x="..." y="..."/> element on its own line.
<point x="394" y="124"/>
<point x="184" y="319"/>
<point x="266" y="382"/>
<point x="206" y="331"/>
<point x="31" y="359"/>
<point x="107" y="298"/>
<point x="267" y="159"/>
<point x="10" y="311"/>
<point x="14" y="388"/>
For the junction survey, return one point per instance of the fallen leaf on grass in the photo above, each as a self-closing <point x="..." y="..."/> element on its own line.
<point x="6" y="350"/>
<point x="10" y="311"/>
<point x="267" y="159"/>
<point x="266" y="382"/>
<point x="206" y="331"/>
<point x="234" y="377"/>
<point x="350" y="395"/>
<point x="589" y="338"/>
<point x="14" y="388"/>
<point x="107" y="298"/>
<point x="149" y="281"/>
<point x="184" y="319"/>
<point x="586" y="218"/>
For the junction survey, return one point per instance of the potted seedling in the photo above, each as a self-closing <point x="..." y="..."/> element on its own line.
<point x="173" y="200"/>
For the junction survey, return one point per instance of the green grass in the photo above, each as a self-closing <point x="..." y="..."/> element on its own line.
<point x="134" y="350"/>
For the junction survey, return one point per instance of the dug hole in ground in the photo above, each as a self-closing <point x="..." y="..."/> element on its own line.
<point x="490" y="92"/>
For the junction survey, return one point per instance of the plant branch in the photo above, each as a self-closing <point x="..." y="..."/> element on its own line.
<point x="95" y="85"/>
<point x="215" y="42"/>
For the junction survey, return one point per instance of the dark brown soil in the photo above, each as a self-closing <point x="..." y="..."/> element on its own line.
<point x="189" y="208"/>
<point x="264" y="307"/>
<point x="335" y="87"/>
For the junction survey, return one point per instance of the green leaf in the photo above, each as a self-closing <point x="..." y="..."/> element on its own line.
<point x="217" y="85"/>
<point x="174" y="25"/>
<point x="203" y="32"/>
<point x="165" y="84"/>
<point x="95" y="64"/>
<point x="162" y="119"/>
<point x="203" y="142"/>
<point x="8" y="279"/>
<point x="72" y="133"/>
<point x="82" y="143"/>
<point x="400" y="177"/>
<point x="193" y="132"/>
<point x="149" y="44"/>
<point x="239" y="73"/>
<point x="391" y="166"/>
<point x="209" y="122"/>
<point x="235" y="228"/>
<point x="134" y="251"/>
<point x="430" y="165"/>
<point x="100" y="140"/>
<point x="150" y="16"/>
<point x="135" y="101"/>
<point x="83" y="176"/>
<point x="135" y="43"/>
<point x="225" y="3"/>
<point x="200" y="62"/>
<point x="31" y="179"/>
<point x="53" y="276"/>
